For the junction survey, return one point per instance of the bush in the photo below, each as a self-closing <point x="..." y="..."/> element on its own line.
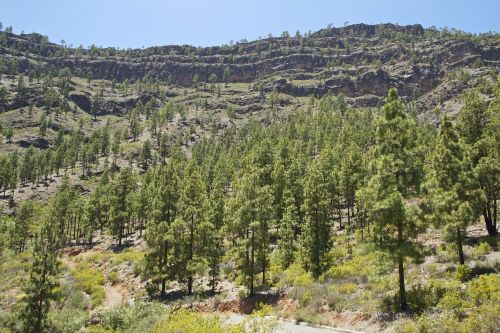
<point x="76" y="300"/>
<point x="305" y="299"/>
<point x="138" y="268"/>
<point x="241" y="294"/>
<point x="67" y="321"/>
<point x="481" y="249"/>
<point x="113" y="277"/>
<point x="439" y="324"/>
<point x="305" y="315"/>
<point x="485" y="318"/>
<point x="420" y="298"/>
<point x="192" y="322"/>
<point x="453" y="302"/>
<point x="91" y="281"/>
<point x="139" y="317"/>
<point x="296" y="276"/>
<point x="116" y="318"/>
<point x="484" y="288"/>
<point x="335" y="300"/>
<point x="406" y="326"/>
<point x="359" y="266"/>
<point x="447" y="253"/>
<point x="481" y="319"/>
<point x="345" y="288"/>
<point x="97" y="329"/>
<point x="462" y="273"/>
<point x="262" y="309"/>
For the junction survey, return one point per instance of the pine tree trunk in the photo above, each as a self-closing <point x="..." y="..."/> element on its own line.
<point x="402" y="291"/>
<point x="340" y="215"/>
<point x="264" y="271"/>
<point x="252" y="263"/>
<point x="460" y="248"/>
<point x="494" y="214"/>
<point x="488" y="220"/>
<point x="191" y="240"/>
<point x="163" y="264"/>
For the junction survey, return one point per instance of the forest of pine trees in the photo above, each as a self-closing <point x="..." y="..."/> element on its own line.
<point x="284" y="190"/>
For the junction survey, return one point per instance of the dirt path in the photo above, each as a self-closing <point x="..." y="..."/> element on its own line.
<point x="115" y="295"/>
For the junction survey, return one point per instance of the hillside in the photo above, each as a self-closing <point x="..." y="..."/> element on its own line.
<point x="347" y="177"/>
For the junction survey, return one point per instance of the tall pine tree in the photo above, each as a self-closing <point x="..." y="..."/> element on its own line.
<point x="453" y="194"/>
<point x="388" y="192"/>
<point x="42" y="282"/>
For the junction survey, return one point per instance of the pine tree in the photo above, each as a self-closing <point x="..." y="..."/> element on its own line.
<point x="215" y="248"/>
<point x="190" y="231"/>
<point x="288" y="225"/>
<point x="226" y="75"/>
<point x="388" y="193"/>
<point x="135" y="126"/>
<point x="115" y="148"/>
<point x="60" y="209"/>
<point x="164" y="196"/>
<point x="241" y="211"/>
<point x="316" y="240"/>
<point x="451" y="186"/>
<point x="41" y="285"/>
<point x="478" y="126"/>
<point x="146" y="155"/>
<point x="281" y="163"/>
<point x="350" y="174"/>
<point x="120" y="211"/>
<point x="264" y="223"/>
<point x="21" y="231"/>
<point x="12" y="172"/>
<point x="97" y="207"/>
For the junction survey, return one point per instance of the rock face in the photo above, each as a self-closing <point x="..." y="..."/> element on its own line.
<point x="111" y="106"/>
<point x="361" y="61"/>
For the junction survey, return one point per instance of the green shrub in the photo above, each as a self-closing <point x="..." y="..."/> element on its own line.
<point x="447" y="253"/>
<point x="133" y="318"/>
<point x="262" y="309"/>
<point x="91" y="281"/>
<point x="97" y="329"/>
<point x="241" y="294"/>
<point x="335" y="300"/>
<point x="462" y="273"/>
<point x="67" y="320"/>
<point x="453" y="302"/>
<point x="485" y="318"/>
<point x="406" y="326"/>
<point x="305" y="299"/>
<point x="484" y="288"/>
<point x="421" y="297"/>
<point x="305" y="315"/>
<point x="138" y="269"/>
<point x="113" y="277"/>
<point x="296" y="276"/>
<point x="481" y="319"/>
<point x="357" y="266"/>
<point x="116" y="318"/>
<point x="446" y="323"/>
<point x="481" y="249"/>
<point x="76" y="300"/>
<point x="192" y="322"/>
<point x="344" y="288"/>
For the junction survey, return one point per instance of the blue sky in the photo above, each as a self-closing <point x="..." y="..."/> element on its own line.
<point x="137" y="23"/>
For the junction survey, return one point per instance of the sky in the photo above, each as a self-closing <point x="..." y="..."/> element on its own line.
<point x="143" y="23"/>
